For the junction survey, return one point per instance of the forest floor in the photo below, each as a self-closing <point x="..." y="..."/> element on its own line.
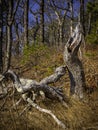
<point x="81" y="115"/>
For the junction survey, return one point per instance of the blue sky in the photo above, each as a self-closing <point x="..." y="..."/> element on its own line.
<point x="35" y="7"/>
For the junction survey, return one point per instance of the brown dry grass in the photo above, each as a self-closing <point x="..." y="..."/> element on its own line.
<point x="81" y="115"/>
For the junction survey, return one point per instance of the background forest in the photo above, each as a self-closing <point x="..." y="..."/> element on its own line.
<point x="33" y="34"/>
<point x="27" y="24"/>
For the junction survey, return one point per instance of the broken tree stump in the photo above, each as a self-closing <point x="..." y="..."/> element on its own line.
<point x="73" y="63"/>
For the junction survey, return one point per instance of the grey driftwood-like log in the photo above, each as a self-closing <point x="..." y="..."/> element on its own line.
<point x="74" y="65"/>
<point x="26" y="86"/>
<point x="59" y="72"/>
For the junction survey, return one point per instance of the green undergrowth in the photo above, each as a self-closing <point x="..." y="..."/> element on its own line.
<point x="34" y="52"/>
<point x="41" y="59"/>
<point x="90" y="55"/>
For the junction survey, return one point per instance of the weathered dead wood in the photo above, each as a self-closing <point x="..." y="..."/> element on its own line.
<point x="74" y="65"/>
<point x="59" y="72"/>
<point x="25" y="86"/>
<point x="26" y="98"/>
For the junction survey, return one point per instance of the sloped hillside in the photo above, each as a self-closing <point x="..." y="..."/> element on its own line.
<point x="80" y="115"/>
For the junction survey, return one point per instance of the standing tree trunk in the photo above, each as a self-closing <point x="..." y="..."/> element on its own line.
<point x="42" y="20"/>
<point x="1" y="29"/>
<point x="59" y="33"/>
<point x="74" y="65"/>
<point x="26" y="8"/>
<point x="82" y="21"/>
<point x="36" y="30"/>
<point x="10" y="19"/>
<point x="89" y="23"/>
<point x="71" y="21"/>
<point x="9" y="35"/>
<point x="17" y="37"/>
<point x="9" y="46"/>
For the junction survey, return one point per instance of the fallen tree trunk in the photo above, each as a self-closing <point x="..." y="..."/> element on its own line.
<point x="26" y="86"/>
<point x="74" y="65"/>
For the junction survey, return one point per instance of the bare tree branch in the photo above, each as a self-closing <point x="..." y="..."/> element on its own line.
<point x="56" y="6"/>
<point x="15" y="10"/>
<point x="45" y="111"/>
<point x="59" y="72"/>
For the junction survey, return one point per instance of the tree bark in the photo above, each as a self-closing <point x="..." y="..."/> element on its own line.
<point x="1" y="31"/>
<point x="10" y="18"/>
<point x="74" y="65"/>
<point x="26" y="9"/>
<point x="89" y="23"/>
<point x="9" y="36"/>
<point x="71" y="21"/>
<point x="82" y="21"/>
<point x="42" y="20"/>
<point x="17" y="38"/>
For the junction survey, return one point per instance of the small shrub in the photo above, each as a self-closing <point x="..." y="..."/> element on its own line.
<point x="92" y="38"/>
<point x="34" y="53"/>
